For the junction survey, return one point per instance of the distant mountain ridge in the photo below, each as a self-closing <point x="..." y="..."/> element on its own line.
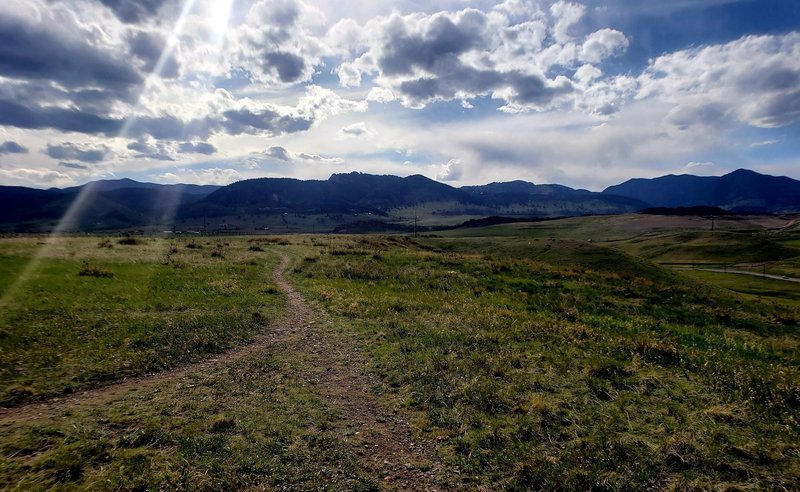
<point x="740" y="191"/>
<point x="343" y="198"/>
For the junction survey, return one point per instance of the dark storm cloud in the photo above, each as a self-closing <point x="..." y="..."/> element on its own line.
<point x="73" y="165"/>
<point x="288" y="66"/>
<point x="10" y="147"/>
<point x="152" y="150"/>
<point x="527" y="89"/>
<point x="149" y="47"/>
<point x="433" y="54"/>
<point x="532" y="89"/>
<point x="443" y="40"/>
<point x="34" y="117"/>
<point x="165" y="127"/>
<point x="134" y="11"/>
<point x="196" y="148"/>
<point x="32" y="51"/>
<point x="74" y="152"/>
<point x="450" y="80"/>
<point x="266" y="121"/>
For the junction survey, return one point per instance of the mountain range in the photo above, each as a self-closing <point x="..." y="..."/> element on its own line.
<point x="284" y="204"/>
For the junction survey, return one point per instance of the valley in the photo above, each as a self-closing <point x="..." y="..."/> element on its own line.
<point x="591" y="352"/>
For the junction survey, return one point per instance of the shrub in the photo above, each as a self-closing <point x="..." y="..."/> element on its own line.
<point x="89" y="270"/>
<point x="219" y="251"/>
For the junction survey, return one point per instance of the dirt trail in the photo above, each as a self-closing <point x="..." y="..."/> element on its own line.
<point x="377" y="434"/>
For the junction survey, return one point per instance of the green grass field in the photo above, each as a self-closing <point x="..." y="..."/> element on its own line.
<point x="535" y="360"/>
<point x="571" y="366"/>
<point x="93" y="311"/>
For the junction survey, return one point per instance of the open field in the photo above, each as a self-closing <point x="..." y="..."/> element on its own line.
<point x="530" y="360"/>
<point x="94" y="310"/>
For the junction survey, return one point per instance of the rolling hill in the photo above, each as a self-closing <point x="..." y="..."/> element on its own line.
<point x="739" y="191"/>
<point x="344" y="199"/>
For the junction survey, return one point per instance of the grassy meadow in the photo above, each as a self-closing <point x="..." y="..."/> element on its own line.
<point x="95" y="310"/>
<point x="531" y="357"/>
<point x="558" y="364"/>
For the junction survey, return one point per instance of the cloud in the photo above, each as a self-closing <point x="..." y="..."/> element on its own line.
<point x="276" y="44"/>
<point x="356" y="130"/>
<point x="565" y="15"/>
<point x="702" y="169"/>
<point x="279" y="153"/>
<point x="30" y="115"/>
<point x="303" y="156"/>
<point x="316" y="105"/>
<point x="228" y="115"/>
<point x="266" y="120"/>
<point x="603" y="44"/>
<point x="74" y="165"/>
<point x="209" y="176"/>
<point x="284" y="155"/>
<point x="150" y="47"/>
<point x="78" y="152"/>
<point x="34" y="177"/>
<point x="134" y="11"/>
<point x="60" y="50"/>
<point x="504" y="52"/>
<point x="148" y="148"/>
<point x="10" y="147"/>
<point x="763" y="143"/>
<point x="754" y="79"/>
<point x="452" y="171"/>
<point x="197" y="148"/>
<point x="381" y="95"/>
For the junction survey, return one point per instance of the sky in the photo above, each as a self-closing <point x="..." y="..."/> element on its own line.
<point x="586" y="93"/>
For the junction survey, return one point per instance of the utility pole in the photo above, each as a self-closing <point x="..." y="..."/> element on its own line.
<point x="712" y="223"/>
<point x="415" y="221"/>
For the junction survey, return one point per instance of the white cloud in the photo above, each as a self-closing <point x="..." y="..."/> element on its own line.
<point x="701" y="168"/>
<point x="566" y="15"/>
<point x="356" y="130"/>
<point x="763" y="143"/>
<point x="452" y="171"/>
<point x="210" y="176"/>
<point x="381" y="95"/>
<point x="755" y="80"/>
<point x="284" y="155"/>
<point x="35" y="177"/>
<point x="603" y="44"/>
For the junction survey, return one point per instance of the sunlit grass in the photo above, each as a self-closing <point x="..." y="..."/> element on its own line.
<point x="559" y="364"/>
<point x="95" y="310"/>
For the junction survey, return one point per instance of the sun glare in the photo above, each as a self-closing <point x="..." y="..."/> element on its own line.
<point x="218" y="15"/>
